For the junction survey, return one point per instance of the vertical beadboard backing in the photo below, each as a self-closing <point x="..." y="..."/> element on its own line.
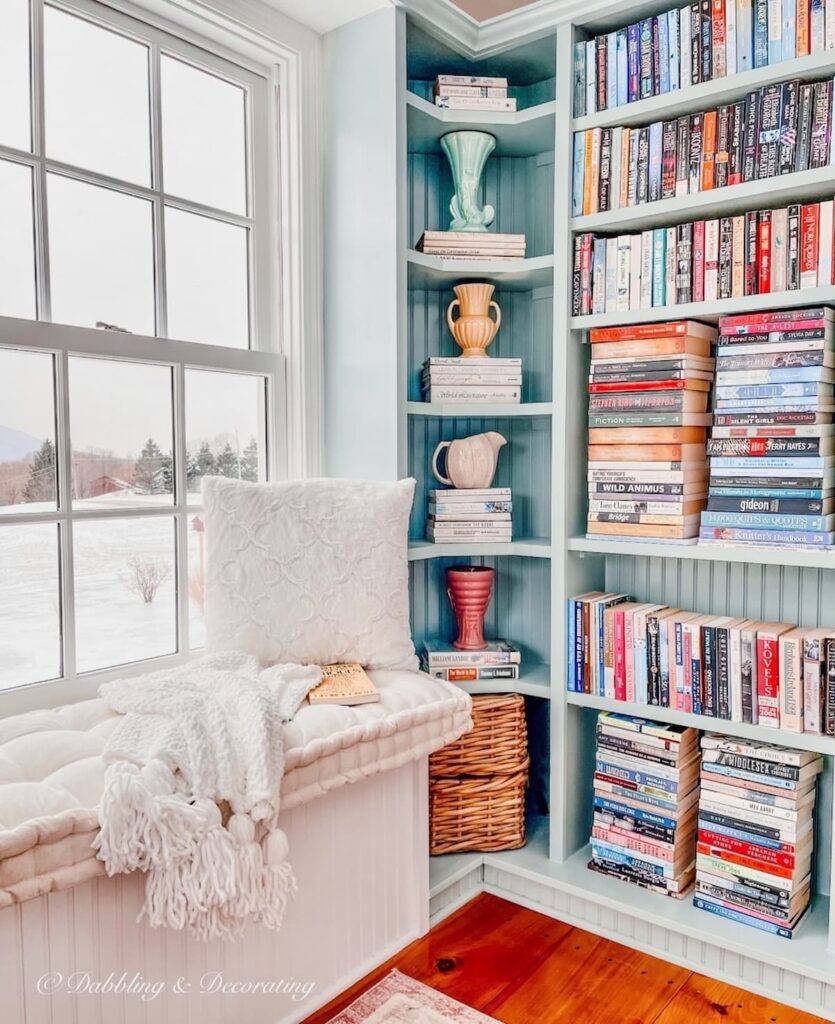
<point x="521" y="190"/>
<point x="523" y="465"/>
<point x="519" y="610"/>
<point x="525" y="332"/>
<point x="360" y="899"/>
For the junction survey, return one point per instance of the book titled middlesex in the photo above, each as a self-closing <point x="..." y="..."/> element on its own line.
<point x="346" y="684"/>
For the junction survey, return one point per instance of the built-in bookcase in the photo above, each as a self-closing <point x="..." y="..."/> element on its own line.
<point x="528" y="179"/>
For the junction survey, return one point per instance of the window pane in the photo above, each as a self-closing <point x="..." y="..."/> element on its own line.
<point x="206" y="263"/>
<point x="96" y="90"/>
<point x="203" y="137"/>
<point x="17" y="241"/>
<point x="226" y="427"/>
<point x="196" y="583"/>
<point x="101" y="256"/>
<point x="30" y="618"/>
<point x="125" y="590"/>
<point x="121" y="424"/>
<point x="15" y="117"/>
<point x="27" y="432"/>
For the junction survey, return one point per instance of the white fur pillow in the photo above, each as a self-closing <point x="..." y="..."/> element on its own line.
<point x="311" y="571"/>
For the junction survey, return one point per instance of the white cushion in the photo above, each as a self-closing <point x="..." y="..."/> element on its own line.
<point x="310" y="571"/>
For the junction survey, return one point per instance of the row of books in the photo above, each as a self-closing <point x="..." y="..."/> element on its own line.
<point x="472" y="379"/>
<point x="646" y="795"/>
<point x="772" y="479"/>
<point x="703" y="41"/>
<point x="755" y="253"/>
<point x="472" y="245"/>
<point x="470" y="516"/>
<point x="499" y="660"/>
<point x="778" y="129"/>
<point x="647" y="462"/>
<point x="771" y="674"/>
<point x="472" y="92"/>
<point x="756" y="833"/>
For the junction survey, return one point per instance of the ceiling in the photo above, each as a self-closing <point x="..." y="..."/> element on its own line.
<point x="324" y="15"/>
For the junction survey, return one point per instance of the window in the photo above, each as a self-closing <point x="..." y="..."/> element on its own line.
<point x="137" y="340"/>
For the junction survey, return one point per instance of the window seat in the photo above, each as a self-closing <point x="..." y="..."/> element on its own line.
<point x="52" y="771"/>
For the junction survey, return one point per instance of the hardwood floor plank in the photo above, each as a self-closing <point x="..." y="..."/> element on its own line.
<point x="703" y="1000"/>
<point x="589" y="980"/>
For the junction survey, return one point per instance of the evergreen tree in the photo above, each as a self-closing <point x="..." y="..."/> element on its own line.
<point x="41" y="483"/>
<point x="226" y="463"/>
<point x="205" y="461"/>
<point x="166" y="475"/>
<point x="148" y="473"/>
<point x="249" y="462"/>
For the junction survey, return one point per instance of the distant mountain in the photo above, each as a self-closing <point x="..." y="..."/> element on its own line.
<point x="15" y="444"/>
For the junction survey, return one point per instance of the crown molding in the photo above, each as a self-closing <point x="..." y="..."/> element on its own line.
<point x="446" y="22"/>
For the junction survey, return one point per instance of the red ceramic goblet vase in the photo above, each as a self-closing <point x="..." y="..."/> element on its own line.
<point x="469" y="588"/>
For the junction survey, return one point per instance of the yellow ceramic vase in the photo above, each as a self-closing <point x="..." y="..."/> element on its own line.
<point x="475" y="328"/>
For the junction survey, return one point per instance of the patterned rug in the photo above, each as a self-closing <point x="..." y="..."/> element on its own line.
<point x="398" y="999"/>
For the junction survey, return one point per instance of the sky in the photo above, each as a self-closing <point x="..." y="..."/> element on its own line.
<point x="117" y="405"/>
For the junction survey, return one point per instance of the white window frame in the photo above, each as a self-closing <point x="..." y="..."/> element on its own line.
<point x="278" y="271"/>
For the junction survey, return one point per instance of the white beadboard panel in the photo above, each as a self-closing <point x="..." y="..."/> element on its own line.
<point x="520" y="189"/>
<point x="525" y="332"/>
<point x="360" y="860"/>
<point x="523" y="465"/>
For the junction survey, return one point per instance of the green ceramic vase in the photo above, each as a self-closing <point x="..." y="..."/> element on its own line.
<point x="467" y="153"/>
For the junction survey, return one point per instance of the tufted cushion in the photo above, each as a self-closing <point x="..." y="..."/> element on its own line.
<point x="52" y="773"/>
<point x="311" y="571"/>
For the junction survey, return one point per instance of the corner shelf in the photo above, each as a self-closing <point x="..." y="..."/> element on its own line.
<point x="529" y="548"/>
<point x="478" y="410"/>
<point x="802" y="186"/>
<point x="439" y="272"/>
<point x="534" y="681"/>
<point x="523" y="132"/>
<point x="709" y="94"/>
<point x="705" y="723"/>
<point x="750" y="554"/>
<point x="708" y="311"/>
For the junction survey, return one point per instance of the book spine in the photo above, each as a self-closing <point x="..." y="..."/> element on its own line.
<point x="804" y="125"/>
<point x="591" y="77"/>
<point x="695" y="170"/>
<point x="684" y="259"/>
<point x="723" y="147"/>
<point x="656" y="156"/>
<point x="698" y="261"/>
<point x="684" y="47"/>
<point x="706" y="40"/>
<point x="633" y="60"/>
<point x="760" y="16"/>
<point x="600" y="72"/>
<point x="764" y="252"/>
<point x="695" y="43"/>
<point x="682" y="156"/>
<point x="668" y="160"/>
<point x="611" y="70"/>
<point x="809" y="245"/>
<point x="663" y="54"/>
<point x="789" y="9"/>
<point x="788" y="127"/>
<point x="647" y="79"/>
<point x="719" y="42"/>
<point x="580" y="79"/>
<point x="744" y="35"/>
<point x="774" y="17"/>
<point x="673" y="35"/>
<point x="622" y="67"/>
<point x="768" y="680"/>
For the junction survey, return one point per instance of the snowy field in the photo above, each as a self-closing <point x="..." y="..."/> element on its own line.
<point x="114" y="625"/>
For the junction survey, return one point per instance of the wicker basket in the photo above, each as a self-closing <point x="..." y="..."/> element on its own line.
<point x="477" y="785"/>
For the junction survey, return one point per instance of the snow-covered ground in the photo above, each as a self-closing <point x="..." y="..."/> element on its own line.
<point x="113" y="623"/>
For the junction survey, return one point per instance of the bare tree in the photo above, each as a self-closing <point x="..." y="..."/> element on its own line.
<point x="145" y="577"/>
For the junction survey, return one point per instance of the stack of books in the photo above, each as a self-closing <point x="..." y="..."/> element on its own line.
<point x="772" y="452"/>
<point x="646" y="795"/>
<point x="754" y="253"/>
<point x="756" y="833"/>
<point x="472" y="92"/>
<point x="770" y="674"/>
<point x="619" y="167"/>
<point x="474" y="379"/>
<point x="647" y="469"/>
<point x="693" y="44"/>
<point x="470" y="516"/>
<point x="499" y="660"/>
<point x="472" y="245"/>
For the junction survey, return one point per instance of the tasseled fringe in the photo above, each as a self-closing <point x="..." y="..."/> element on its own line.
<point x="200" y="875"/>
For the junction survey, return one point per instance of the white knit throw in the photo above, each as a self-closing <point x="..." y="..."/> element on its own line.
<point x="193" y="737"/>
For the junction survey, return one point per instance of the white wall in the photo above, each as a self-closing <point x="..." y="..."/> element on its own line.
<point x="360" y="144"/>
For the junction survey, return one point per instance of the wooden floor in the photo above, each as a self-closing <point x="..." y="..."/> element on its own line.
<point x="523" y="968"/>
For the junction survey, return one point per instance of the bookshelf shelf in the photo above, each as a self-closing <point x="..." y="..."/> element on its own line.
<point x="798" y="740"/>
<point x="523" y="132"/>
<point x="473" y="410"/>
<point x="802" y="187"/>
<point x="705" y="552"/>
<point x="708" y="311"/>
<point x="437" y="272"/>
<point x="709" y="94"/>
<point x="532" y="548"/>
<point x="534" y="681"/>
